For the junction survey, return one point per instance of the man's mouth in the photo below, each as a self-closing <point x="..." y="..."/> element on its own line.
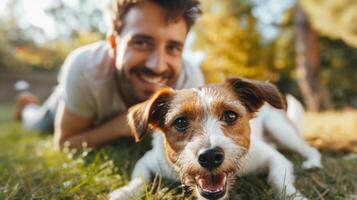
<point x="152" y="79"/>
<point x="212" y="186"/>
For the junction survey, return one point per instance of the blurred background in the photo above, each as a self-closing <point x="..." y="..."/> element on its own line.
<point x="307" y="47"/>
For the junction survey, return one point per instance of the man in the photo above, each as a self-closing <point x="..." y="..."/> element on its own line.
<point x="99" y="82"/>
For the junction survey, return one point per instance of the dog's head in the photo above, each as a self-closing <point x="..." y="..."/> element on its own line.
<point x="206" y="129"/>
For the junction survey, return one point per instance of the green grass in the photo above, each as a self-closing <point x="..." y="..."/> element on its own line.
<point x="31" y="169"/>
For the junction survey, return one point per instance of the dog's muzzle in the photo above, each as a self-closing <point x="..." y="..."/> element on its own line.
<point x="211" y="185"/>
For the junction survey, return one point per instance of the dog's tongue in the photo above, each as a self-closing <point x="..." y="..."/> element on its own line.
<point x="212" y="182"/>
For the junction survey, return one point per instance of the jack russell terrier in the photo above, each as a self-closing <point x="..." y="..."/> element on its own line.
<point x="205" y="137"/>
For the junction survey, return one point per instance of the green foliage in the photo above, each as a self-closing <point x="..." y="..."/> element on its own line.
<point x="338" y="71"/>
<point x="334" y="18"/>
<point x="20" y="51"/>
<point x="227" y="32"/>
<point x="72" y="19"/>
<point x="338" y="63"/>
<point x="51" y="54"/>
<point x="7" y="50"/>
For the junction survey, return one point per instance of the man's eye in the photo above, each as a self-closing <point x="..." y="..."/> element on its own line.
<point x="230" y="117"/>
<point x="175" y="49"/>
<point x="141" y="44"/>
<point x="181" y="124"/>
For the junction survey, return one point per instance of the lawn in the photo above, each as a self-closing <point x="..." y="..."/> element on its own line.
<point x="31" y="169"/>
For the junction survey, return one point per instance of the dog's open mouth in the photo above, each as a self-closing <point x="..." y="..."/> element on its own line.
<point x="212" y="186"/>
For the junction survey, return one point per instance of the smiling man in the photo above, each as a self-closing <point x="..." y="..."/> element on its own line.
<point x="99" y="82"/>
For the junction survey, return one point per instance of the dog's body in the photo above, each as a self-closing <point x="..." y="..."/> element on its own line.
<point x="205" y="137"/>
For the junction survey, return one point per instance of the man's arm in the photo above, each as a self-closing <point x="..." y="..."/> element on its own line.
<point x="77" y="130"/>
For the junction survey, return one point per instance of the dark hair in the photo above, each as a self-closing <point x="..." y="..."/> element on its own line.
<point x="188" y="9"/>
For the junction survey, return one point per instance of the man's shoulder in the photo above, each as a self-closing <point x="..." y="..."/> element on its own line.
<point x="190" y="76"/>
<point x="92" y="61"/>
<point x="86" y="78"/>
<point x="91" y="54"/>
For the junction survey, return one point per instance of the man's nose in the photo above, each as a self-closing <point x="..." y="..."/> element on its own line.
<point x="156" y="61"/>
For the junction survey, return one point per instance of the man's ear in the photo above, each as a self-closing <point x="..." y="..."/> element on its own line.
<point x="253" y="94"/>
<point x="150" y="113"/>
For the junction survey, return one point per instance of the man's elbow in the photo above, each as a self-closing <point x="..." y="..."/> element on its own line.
<point x="59" y="140"/>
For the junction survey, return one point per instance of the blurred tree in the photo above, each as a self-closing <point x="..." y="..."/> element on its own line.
<point x="336" y="19"/>
<point x="227" y="32"/>
<point x="308" y="63"/>
<point x="6" y="58"/>
<point x="11" y="36"/>
<point x="75" y="17"/>
<point x="19" y="46"/>
<point x="282" y="54"/>
<point x="334" y="66"/>
<point x="77" y="23"/>
<point x="338" y="71"/>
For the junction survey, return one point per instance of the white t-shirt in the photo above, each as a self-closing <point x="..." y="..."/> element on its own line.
<point x="87" y="82"/>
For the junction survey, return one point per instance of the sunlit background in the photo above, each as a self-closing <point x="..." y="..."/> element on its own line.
<point x="308" y="49"/>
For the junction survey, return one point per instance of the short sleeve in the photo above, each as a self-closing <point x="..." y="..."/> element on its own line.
<point x="194" y="76"/>
<point x="76" y="90"/>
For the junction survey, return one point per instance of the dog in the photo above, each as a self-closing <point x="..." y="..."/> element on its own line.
<point x="205" y="137"/>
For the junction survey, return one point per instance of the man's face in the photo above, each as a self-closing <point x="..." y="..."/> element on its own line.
<point x="149" y="51"/>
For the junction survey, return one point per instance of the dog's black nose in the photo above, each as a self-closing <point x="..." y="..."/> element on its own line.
<point x="211" y="158"/>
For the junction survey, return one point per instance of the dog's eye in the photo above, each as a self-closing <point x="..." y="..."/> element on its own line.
<point x="181" y="124"/>
<point x="229" y="117"/>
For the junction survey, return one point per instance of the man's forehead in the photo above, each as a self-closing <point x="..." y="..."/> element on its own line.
<point x="149" y="19"/>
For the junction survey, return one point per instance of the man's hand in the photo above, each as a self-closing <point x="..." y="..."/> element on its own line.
<point x="76" y="130"/>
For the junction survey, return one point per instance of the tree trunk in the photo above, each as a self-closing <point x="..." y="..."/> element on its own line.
<point x="307" y="64"/>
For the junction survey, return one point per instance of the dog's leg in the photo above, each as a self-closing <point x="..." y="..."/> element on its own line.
<point x="140" y="176"/>
<point x="284" y="132"/>
<point x="280" y="170"/>
<point x="281" y="176"/>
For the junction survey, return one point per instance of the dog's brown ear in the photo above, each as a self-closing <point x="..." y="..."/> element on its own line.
<point x="150" y="113"/>
<point x="253" y="94"/>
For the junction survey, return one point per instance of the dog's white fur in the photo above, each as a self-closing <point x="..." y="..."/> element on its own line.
<point x="262" y="155"/>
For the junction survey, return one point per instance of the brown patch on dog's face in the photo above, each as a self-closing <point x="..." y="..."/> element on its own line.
<point x="239" y="131"/>
<point x="183" y="105"/>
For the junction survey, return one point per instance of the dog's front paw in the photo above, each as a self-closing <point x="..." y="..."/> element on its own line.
<point x="131" y="191"/>
<point x="298" y="196"/>
<point x="123" y="193"/>
<point x="314" y="161"/>
<point x="311" y="164"/>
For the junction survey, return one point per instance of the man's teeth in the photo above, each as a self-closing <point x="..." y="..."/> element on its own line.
<point x="217" y="190"/>
<point x="152" y="79"/>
